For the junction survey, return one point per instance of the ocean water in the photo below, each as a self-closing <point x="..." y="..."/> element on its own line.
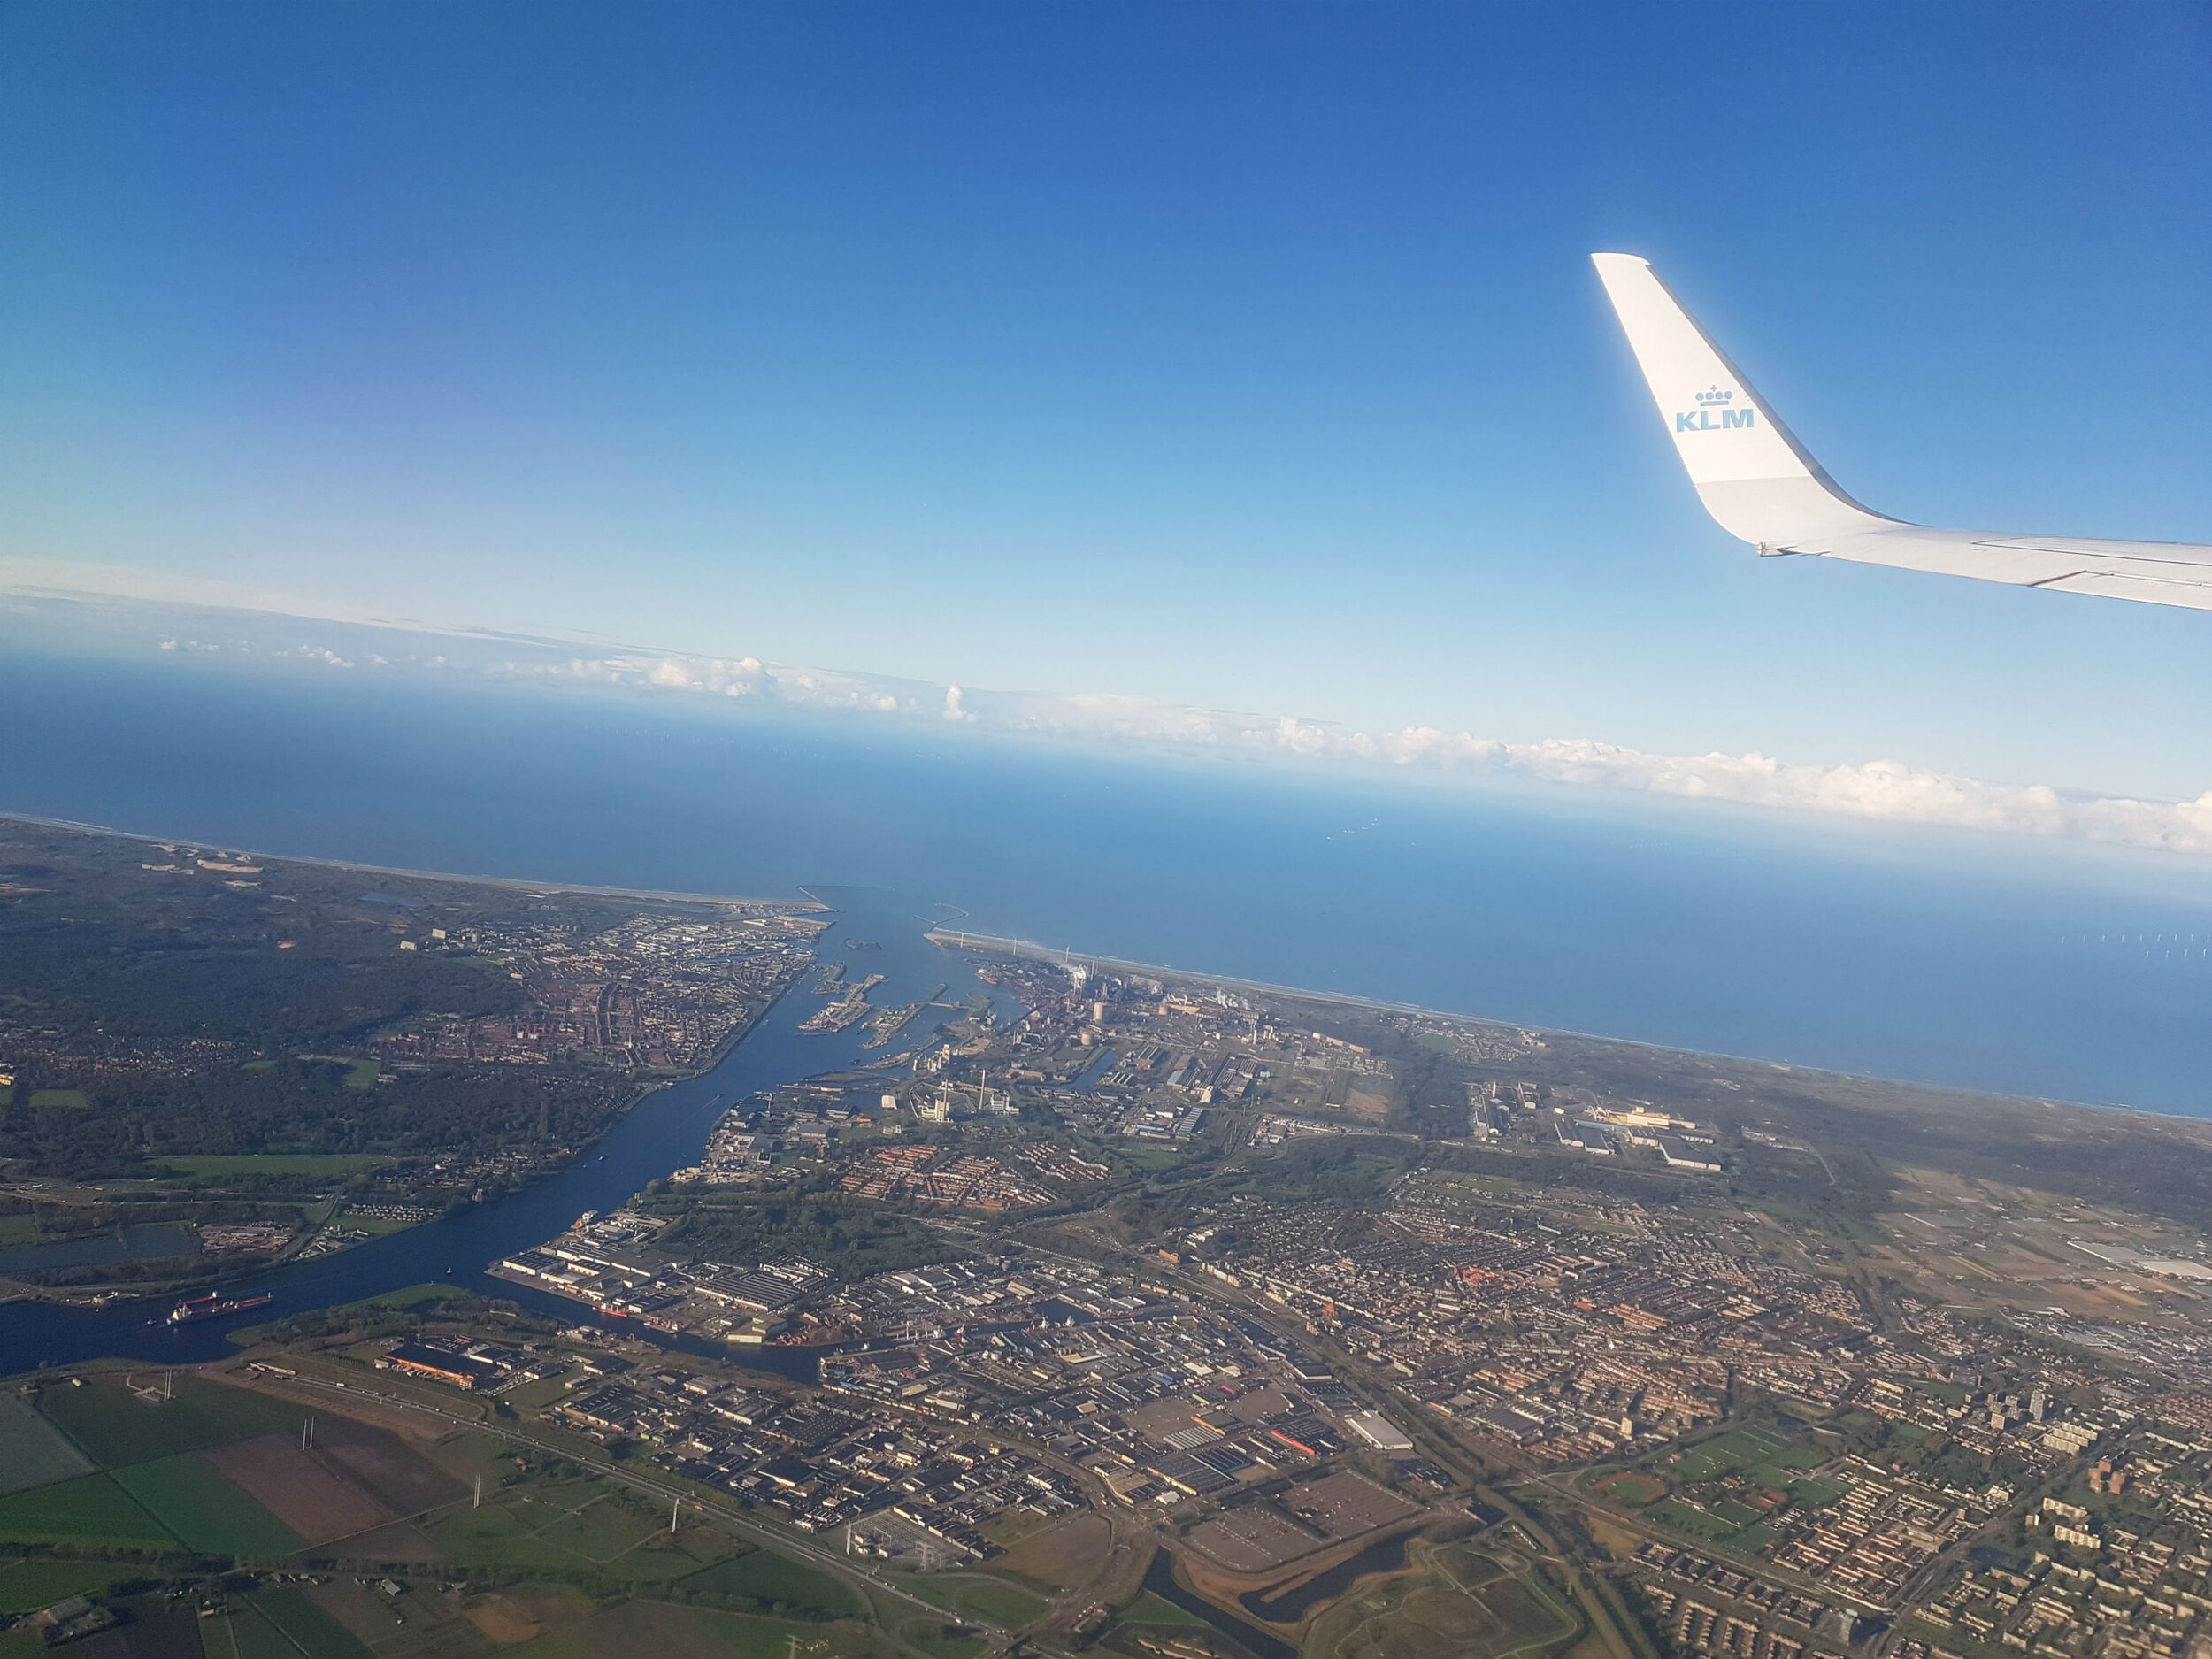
<point x="1946" y="958"/>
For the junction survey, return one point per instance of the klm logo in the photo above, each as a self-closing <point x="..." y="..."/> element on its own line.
<point x="1710" y="404"/>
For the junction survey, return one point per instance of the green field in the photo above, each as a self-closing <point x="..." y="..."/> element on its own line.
<point x="1149" y="1160"/>
<point x="1630" y="1489"/>
<point x="33" y="1452"/>
<point x="27" y="1585"/>
<point x="938" y="1639"/>
<point x="72" y="1099"/>
<point x="239" y="1631"/>
<point x="978" y="1596"/>
<point x="278" y="1622"/>
<point x="91" y="1513"/>
<point x="664" y="1631"/>
<point x="321" y="1166"/>
<point x="1798" y="1455"/>
<point x="312" y="1629"/>
<point x="575" y="1525"/>
<point x="192" y="1498"/>
<point x="1744" y="1448"/>
<point x="1454" y="1604"/>
<point x="416" y="1296"/>
<point x="601" y="1530"/>
<point x="779" y="1583"/>
<point x="116" y="1429"/>
<point x="375" y="1226"/>
<point x="359" y="1073"/>
<point x="1682" y="1519"/>
<point x="502" y="1534"/>
<point x="1149" y="1609"/>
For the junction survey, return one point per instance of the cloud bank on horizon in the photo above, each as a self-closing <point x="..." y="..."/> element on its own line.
<point x="109" y="610"/>
<point x="1884" y="790"/>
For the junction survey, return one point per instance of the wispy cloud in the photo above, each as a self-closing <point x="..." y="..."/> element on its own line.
<point x="1888" y="791"/>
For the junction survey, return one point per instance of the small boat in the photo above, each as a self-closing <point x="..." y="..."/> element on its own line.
<point x="194" y="1309"/>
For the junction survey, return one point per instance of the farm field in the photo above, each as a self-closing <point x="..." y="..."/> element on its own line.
<point x="116" y="1429"/>
<point x="158" y="1628"/>
<point x="33" y="1452"/>
<point x="279" y="1622"/>
<point x="425" y="1620"/>
<point x="91" y="1513"/>
<point x="657" y="1630"/>
<point x="241" y="1630"/>
<point x="778" y="1584"/>
<point x="27" y="1584"/>
<point x="310" y="1629"/>
<point x="193" y="1499"/>
<point x="221" y="1471"/>
<point x="520" y="1613"/>
<point x="296" y="1488"/>
<point x="938" y="1640"/>
<point x="569" y="1526"/>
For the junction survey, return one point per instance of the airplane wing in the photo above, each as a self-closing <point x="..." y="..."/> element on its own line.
<point x="1761" y="486"/>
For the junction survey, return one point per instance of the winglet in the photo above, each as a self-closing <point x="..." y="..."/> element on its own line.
<point x="1751" y="472"/>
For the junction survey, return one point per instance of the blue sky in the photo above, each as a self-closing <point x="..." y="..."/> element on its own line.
<point x="1239" y="356"/>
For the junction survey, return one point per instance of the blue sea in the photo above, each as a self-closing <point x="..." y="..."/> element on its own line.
<point x="1946" y="958"/>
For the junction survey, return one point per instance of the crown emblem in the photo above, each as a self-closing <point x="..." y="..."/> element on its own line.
<point x="1717" y="394"/>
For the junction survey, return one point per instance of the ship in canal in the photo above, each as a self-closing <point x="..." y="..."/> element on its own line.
<point x="192" y="1309"/>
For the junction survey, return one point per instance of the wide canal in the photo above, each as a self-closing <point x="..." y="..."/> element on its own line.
<point x="666" y="1131"/>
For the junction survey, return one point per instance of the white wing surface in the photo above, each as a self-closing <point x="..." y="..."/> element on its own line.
<point x="1762" y="486"/>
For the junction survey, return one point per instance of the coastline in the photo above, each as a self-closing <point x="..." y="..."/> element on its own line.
<point x="1024" y="950"/>
<point x="809" y="905"/>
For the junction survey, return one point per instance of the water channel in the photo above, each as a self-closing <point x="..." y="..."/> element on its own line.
<point x="664" y="1130"/>
<point x="1160" y="1579"/>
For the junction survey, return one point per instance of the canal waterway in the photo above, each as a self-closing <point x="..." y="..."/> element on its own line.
<point x="664" y="1130"/>
<point x="1160" y="1579"/>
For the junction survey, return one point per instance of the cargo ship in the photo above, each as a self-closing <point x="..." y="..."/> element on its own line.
<point x="194" y="1309"/>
